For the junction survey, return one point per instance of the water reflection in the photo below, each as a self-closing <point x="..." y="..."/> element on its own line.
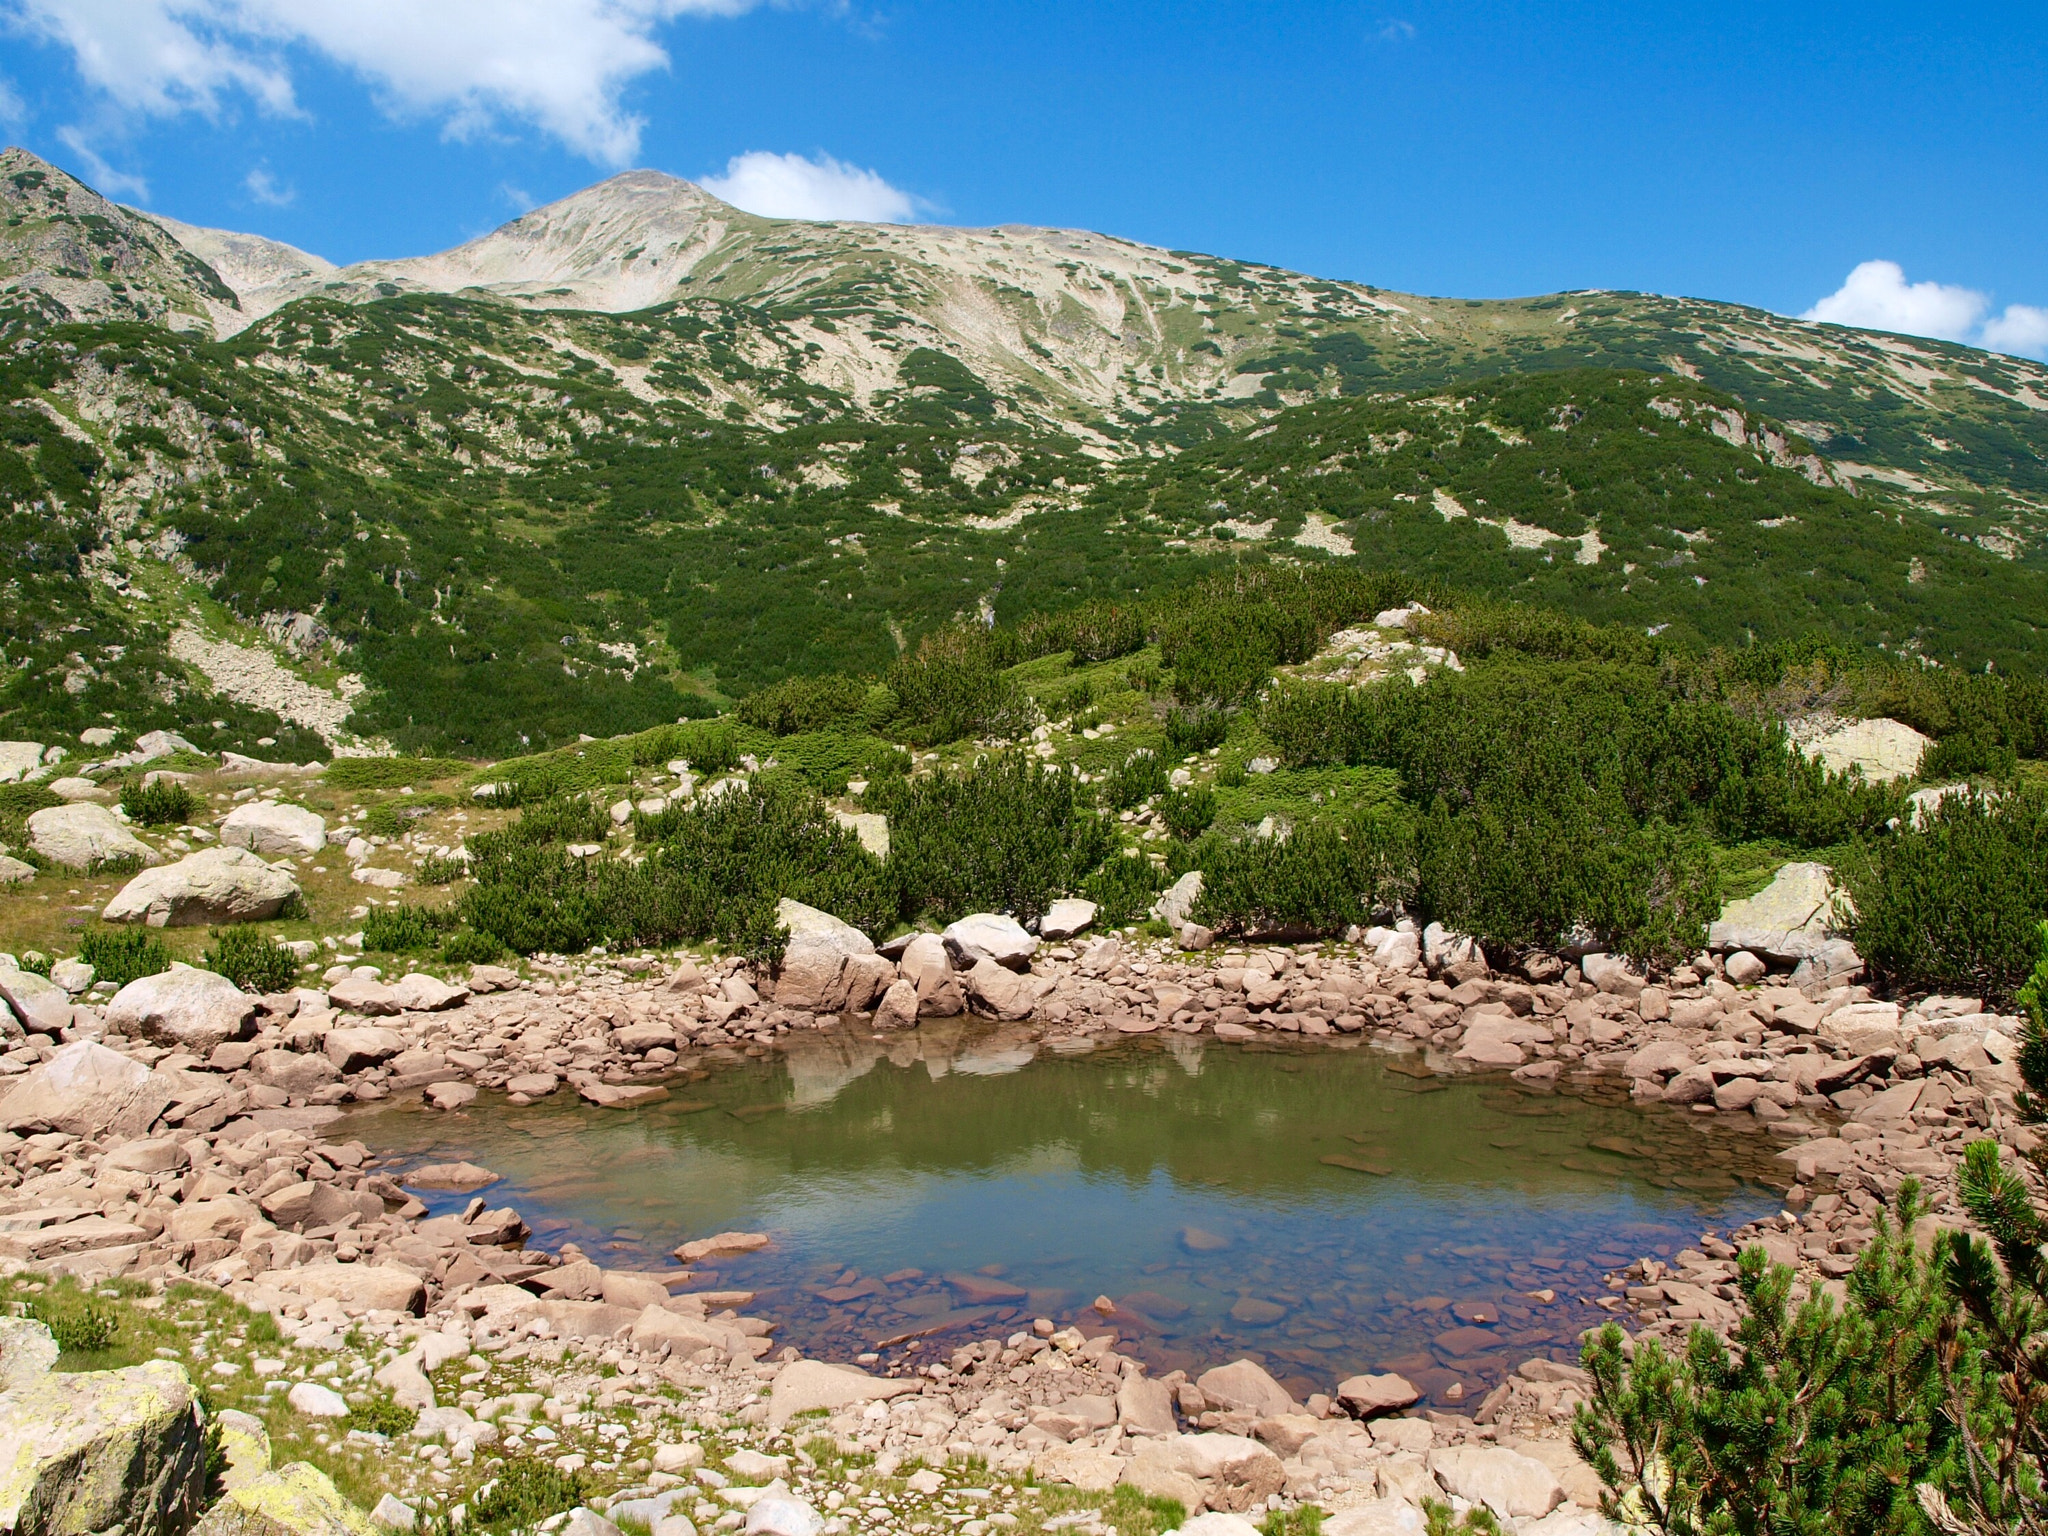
<point x="1325" y="1210"/>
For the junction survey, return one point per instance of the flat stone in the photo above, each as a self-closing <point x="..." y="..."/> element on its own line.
<point x="450" y="1095"/>
<point x="1369" y="1395"/>
<point x="83" y="1090"/>
<point x="370" y="1287"/>
<point x="365" y="995"/>
<point x="804" y="1385"/>
<point x="420" y="993"/>
<point x="534" y="1085"/>
<point x="723" y="1243"/>
<point x="1883" y="750"/>
<point x="1512" y="1485"/>
<point x="1245" y="1384"/>
<point x="295" y="1500"/>
<point x="354" y="1047"/>
<point x="93" y="1450"/>
<point x="316" y="1401"/>
<point x="38" y="1004"/>
<point x="460" y="1177"/>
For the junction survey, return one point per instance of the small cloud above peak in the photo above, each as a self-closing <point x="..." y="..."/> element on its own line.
<point x="101" y="176"/>
<point x="1395" y="30"/>
<point x="1877" y="297"/>
<point x="267" y="189"/>
<point x="795" y="187"/>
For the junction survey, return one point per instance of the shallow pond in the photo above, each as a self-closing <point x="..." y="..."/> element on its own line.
<point x="1324" y="1210"/>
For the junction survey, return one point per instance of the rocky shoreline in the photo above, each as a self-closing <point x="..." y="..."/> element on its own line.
<point x="174" y="1131"/>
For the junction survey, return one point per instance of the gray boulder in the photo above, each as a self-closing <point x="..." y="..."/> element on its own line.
<point x="27" y="1352"/>
<point x="813" y="973"/>
<point x="1176" y="904"/>
<point x="19" y="760"/>
<point x="85" y="1089"/>
<point x="295" y="1500"/>
<point x="273" y="829"/>
<point x="97" y="1450"/>
<point x="82" y="833"/>
<point x="1788" y="920"/>
<point x="989" y="936"/>
<point x="185" y="1007"/>
<point x="41" y="1006"/>
<point x="15" y="871"/>
<point x="1065" y="918"/>
<point x="215" y="885"/>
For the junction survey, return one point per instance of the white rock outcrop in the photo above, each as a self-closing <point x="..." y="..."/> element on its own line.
<point x="274" y="829"/>
<point x="82" y="833"/>
<point x="214" y="885"/>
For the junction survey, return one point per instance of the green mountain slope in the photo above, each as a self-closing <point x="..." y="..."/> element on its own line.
<point x="639" y="451"/>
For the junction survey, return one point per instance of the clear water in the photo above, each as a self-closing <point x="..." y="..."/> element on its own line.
<point x="1323" y="1210"/>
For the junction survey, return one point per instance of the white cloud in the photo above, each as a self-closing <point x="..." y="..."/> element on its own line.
<point x="518" y="197"/>
<point x="13" y="110"/>
<point x="102" y="176"/>
<point x="266" y="188"/>
<point x="1877" y="297"/>
<point x="2022" y="329"/>
<point x="559" y="65"/>
<point x="793" y="187"/>
<point x="1397" y="31"/>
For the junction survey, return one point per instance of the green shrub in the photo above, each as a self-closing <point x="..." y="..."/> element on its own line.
<point x="251" y="961"/>
<point x="162" y="804"/>
<point x="35" y="962"/>
<point x="1954" y="904"/>
<point x="79" y="1324"/>
<point x="468" y="947"/>
<point x="952" y="688"/>
<point x="1320" y="878"/>
<point x="1189" y="731"/>
<point x="437" y="869"/>
<point x="1004" y="835"/>
<point x="1188" y="812"/>
<point x="121" y="955"/>
<point x="18" y="802"/>
<point x="381" y="1416"/>
<point x="525" y="1491"/>
<point x="359" y="773"/>
<point x="1822" y="1419"/>
<point x="1123" y="888"/>
<point x="562" y="819"/>
<point x="1135" y="780"/>
<point x="405" y="929"/>
<point x="804" y="704"/>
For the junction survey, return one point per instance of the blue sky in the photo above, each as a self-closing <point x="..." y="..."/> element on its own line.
<point x="1745" y="152"/>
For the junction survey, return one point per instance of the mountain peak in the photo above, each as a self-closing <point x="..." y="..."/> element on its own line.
<point x="66" y="254"/>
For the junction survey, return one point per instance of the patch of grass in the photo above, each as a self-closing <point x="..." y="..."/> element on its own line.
<point x="80" y="1325"/>
<point x="359" y="773"/>
<point x="526" y="1490"/>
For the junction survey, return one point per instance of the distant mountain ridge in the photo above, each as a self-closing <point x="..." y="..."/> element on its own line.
<point x="639" y="448"/>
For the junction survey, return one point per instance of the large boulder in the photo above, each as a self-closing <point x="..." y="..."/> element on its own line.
<point x="1368" y="1396"/>
<point x="84" y="1089"/>
<point x="296" y="1072"/>
<point x="1176" y="904"/>
<point x="185" y="1007"/>
<point x="1234" y="1473"/>
<point x="81" y="834"/>
<point x="989" y="936"/>
<point x="814" y="965"/>
<point x="1066" y="917"/>
<point x="417" y="992"/>
<point x="354" y="1047"/>
<point x="1245" y="1384"/>
<point x="198" y="1221"/>
<point x="802" y="1386"/>
<point x="1787" y="921"/>
<point x="1513" y="1486"/>
<point x="38" y="1004"/>
<point x="296" y="1500"/>
<point x="19" y="760"/>
<point x="870" y="827"/>
<point x="1002" y="992"/>
<point x="96" y="1450"/>
<point x="274" y="829"/>
<point x="1883" y="749"/>
<point x="365" y="995"/>
<point x="214" y="885"/>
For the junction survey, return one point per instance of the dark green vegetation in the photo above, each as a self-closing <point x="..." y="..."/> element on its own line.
<point x="519" y="526"/>
<point x="162" y="804"/>
<point x="1921" y="1402"/>
<point x="250" y="959"/>
<point x="122" y="955"/>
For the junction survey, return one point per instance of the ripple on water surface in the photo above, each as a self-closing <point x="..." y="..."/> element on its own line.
<point x="1323" y="1210"/>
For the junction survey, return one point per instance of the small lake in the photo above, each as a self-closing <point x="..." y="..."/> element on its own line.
<point x="1323" y="1210"/>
